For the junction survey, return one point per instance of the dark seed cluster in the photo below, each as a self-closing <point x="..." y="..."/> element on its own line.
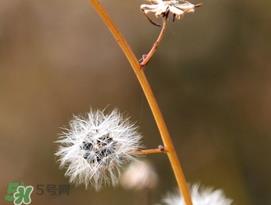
<point x="98" y="150"/>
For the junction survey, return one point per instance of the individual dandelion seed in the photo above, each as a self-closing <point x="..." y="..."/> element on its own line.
<point x="200" y="196"/>
<point x="163" y="8"/>
<point x="139" y="175"/>
<point x="95" y="147"/>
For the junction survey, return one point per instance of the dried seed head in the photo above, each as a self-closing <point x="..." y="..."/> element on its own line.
<point x="200" y="196"/>
<point x="163" y="8"/>
<point x="94" y="148"/>
<point x="139" y="175"/>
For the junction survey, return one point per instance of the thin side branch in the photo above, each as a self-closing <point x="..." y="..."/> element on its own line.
<point x="159" y="150"/>
<point x="147" y="57"/>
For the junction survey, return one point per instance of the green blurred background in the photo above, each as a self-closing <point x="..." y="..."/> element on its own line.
<point x="211" y="77"/>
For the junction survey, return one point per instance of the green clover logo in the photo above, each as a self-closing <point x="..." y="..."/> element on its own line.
<point x="23" y="195"/>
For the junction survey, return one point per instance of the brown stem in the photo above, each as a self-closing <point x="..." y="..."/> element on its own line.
<point x="146" y="58"/>
<point x="159" y="150"/>
<point x="166" y="138"/>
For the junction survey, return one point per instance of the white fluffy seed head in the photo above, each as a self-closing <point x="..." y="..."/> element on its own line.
<point x="140" y="175"/>
<point x="200" y="196"/>
<point x="95" y="147"/>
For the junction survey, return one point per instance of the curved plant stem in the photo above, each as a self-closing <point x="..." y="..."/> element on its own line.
<point x="166" y="138"/>
<point x="147" y="57"/>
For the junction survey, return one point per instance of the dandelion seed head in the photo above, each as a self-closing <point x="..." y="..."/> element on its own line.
<point x="163" y="8"/>
<point x="200" y="196"/>
<point x="95" y="147"/>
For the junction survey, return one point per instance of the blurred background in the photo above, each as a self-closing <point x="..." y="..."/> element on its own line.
<point x="211" y="76"/>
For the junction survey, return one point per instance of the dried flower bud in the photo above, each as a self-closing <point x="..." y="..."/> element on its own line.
<point x="139" y="175"/>
<point x="163" y="8"/>
<point x="95" y="148"/>
<point x="200" y="196"/>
